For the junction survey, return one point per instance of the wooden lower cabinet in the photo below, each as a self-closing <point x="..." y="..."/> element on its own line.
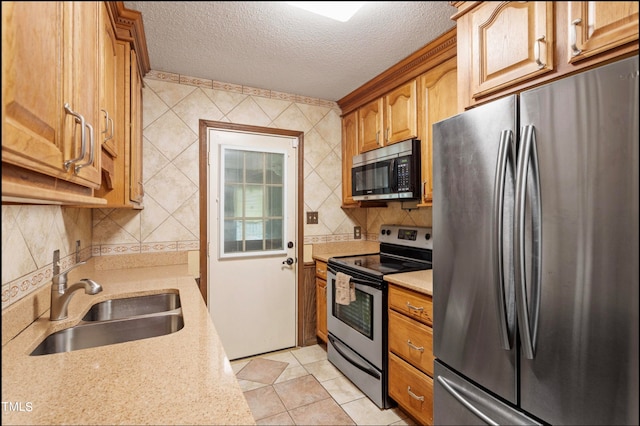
<point x="321" y="300"/>
<point x="411" y="389"/>
<point x="307" y="306"/>
<point x="411" y="352"/>
<point x="412" y="341"/>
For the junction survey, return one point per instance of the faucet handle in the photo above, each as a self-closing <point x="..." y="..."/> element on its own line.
<point x="56" y="262"/>
<point x="61" y="277"/>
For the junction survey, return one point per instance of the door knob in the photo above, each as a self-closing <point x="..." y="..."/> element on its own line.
<point x="289" y="261"/>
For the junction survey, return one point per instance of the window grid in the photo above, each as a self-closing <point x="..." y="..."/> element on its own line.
<point x="267" y="227"/>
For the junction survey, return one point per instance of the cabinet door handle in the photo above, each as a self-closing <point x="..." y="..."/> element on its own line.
<point x="108" y="126"/>
<point x="414" y="396"/>
<point x="113" y="128"/>
<point x="91" y="150"/>
<point x="575" y="51"/>
<point x="412" y="346"/>
<point x="378" y="137"/>
<point x="414" y="308"/>
<point x="537" y="52"/>
<point x="79" y="119"/>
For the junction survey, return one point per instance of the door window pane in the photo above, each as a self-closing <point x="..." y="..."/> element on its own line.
<point x="275" y="169"/>
<point x="274" y="201"/>
<point x="253" y="201"/>
<point x="273" y="234"/>
<point x="233" y="166"/>
<point x="254" y="163"/>
<point x="233" y="200"/>
<point x="254" y="198"/>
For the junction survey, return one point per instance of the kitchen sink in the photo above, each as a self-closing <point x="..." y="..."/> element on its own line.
<point x="100" y="333"/>
<point x="132" y="306"/>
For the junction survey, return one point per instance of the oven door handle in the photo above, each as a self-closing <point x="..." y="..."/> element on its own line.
<point x="356" y="280"/>
<point x="370" y="371"/>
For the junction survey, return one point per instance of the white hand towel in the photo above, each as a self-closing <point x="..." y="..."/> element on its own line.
<point x="344" y="289"/>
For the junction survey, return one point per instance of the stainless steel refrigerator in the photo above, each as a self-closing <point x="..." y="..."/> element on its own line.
<point x="535" y="255"/>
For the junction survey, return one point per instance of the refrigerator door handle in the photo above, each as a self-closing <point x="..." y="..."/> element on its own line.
<point x="458" y="394"/>
<point x="527" y="321"/>
<point x="506" y="154"/>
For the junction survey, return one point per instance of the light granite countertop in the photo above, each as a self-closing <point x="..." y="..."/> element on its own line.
<point x="181" y="378"/>
<point x="420" y="281"/>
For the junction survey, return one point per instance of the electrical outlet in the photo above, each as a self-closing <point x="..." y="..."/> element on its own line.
<point x="312" y="218"/>
<point x="357" y="232"/>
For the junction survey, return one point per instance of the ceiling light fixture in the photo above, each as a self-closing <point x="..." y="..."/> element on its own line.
<point x="339" y="10"/>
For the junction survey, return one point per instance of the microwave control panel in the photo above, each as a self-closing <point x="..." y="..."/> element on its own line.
<point x="403" y="174"/>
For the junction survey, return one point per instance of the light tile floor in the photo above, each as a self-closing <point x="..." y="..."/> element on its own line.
<point x="301" y="387"/>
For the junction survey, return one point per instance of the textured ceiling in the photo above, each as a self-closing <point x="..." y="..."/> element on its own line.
<point x="274" y="46"/>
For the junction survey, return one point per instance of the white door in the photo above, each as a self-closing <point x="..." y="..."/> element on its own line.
<point x="252" y="235"/>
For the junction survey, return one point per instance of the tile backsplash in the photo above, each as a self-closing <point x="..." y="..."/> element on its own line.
<point x="169" y="222"/>
<point x="30" y="234"/>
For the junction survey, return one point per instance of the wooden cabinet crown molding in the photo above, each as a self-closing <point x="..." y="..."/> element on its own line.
<point x="129" y="27"/>
<point x="432" y="54"/>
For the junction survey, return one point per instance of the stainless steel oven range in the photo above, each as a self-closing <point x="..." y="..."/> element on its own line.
<point x="357" y="325"/>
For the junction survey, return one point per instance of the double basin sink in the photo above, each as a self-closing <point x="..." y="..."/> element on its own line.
<point x="117" y="321"/>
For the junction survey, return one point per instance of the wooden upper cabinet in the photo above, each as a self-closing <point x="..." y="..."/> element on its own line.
<point x="31" y="122"/>
<point x="598" y="26"/>
<point x="437" y="101"/>
<point x="122" y="145"/>
<point x="136" y="191"/>
<point x="50" y="153"/>
<point x="401" y="113"/>
<point x="370" y="125"/>
<point x="509" y="47"/>
<point x="82" y="84"/>
<point x="510" y="42"/>
<point x="108" y="133"/>
<point x="389" y="119"/>
<point x="349" y="149"/>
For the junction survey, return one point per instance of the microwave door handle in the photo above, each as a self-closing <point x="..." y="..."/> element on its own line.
<point x="393" y="181"/>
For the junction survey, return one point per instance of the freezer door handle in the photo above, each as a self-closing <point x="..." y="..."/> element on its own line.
<point x="458" y="394"/>
<point x="506" y="157"/>
<point x="527" y="320"/>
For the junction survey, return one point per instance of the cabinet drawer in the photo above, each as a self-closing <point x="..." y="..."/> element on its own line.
<point x="411" y="303"/>
<point x="411" y="389"/>
<point x="321" y="269"/>
<point x="411" y="341"/>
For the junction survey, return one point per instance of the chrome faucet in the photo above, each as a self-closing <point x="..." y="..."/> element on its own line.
<point x="61" y="294"/>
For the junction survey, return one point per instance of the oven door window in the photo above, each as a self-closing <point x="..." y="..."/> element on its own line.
<point x="358" y="314"/>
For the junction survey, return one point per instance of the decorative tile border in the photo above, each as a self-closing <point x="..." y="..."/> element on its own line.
<point x="336" y="238"/>
<point x="247" y="90"/>
<point x="155" y="247"/>
<point x="117" y="249"/>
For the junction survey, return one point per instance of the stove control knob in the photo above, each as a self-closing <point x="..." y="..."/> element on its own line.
<point x="427" y="236"/>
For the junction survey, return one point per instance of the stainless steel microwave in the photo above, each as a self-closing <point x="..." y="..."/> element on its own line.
<point x="387" y="173"/>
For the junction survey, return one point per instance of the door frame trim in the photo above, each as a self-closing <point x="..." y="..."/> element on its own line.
<point x="204" y="125"/>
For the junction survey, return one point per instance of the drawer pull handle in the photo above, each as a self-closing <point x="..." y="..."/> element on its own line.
<point x="413" y="395"/>
<point x="412" y="346"/>
<point x="414" y="308"/>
